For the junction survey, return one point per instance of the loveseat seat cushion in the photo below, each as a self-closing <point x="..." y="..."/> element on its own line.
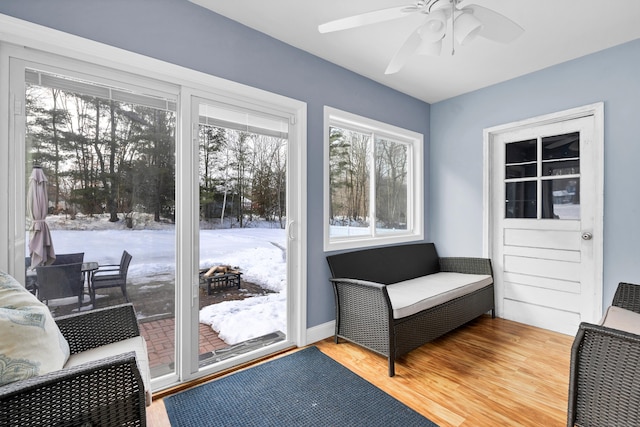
<point x="621" y="319"/>
<point x="137" y="344"/>
<point x="30" y="341"/>
<point x="415" y="295"/>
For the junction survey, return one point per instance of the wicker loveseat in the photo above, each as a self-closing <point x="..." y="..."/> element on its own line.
<point x="101" y="384"/>
<point x="604" y="380"/>
<point x="394" y="299"/>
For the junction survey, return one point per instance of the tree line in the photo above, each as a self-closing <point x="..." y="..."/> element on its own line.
<point x="352" y="155"/>
<point x="107" y="156"/>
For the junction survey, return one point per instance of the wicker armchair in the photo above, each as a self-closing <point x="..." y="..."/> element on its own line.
<point x="604" y="382"/>
<point x="105" y="392"/>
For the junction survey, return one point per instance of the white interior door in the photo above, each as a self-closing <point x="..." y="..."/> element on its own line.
<point x="546" y="212"/>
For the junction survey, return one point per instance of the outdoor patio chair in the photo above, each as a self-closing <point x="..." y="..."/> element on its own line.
<point x="31" y="280"/>
<point x="60" y="281"/>
<point x="69" y="258"/>
<point x="111" y="275"/>
<point x="604" y="381"/>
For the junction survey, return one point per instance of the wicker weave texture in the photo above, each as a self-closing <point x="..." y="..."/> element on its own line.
<point x="414" y="331"/>
<point x="105" y="392"/>
<point x="466" y="265"/>
<point x="99" y="327"/>
<point x="362" y="314"/>
<point x="604" y="379"/>
<point x="627" y="296"/>
<point x="605" y="382"/>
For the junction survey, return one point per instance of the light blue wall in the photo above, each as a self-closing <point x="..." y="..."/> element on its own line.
<point x="612" y="76"/>
<point x="180" y="32"/>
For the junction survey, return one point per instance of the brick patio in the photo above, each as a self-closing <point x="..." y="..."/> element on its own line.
<point x="160" y="336"/>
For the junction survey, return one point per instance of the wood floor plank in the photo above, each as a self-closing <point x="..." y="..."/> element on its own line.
<point x="491" y="372"/>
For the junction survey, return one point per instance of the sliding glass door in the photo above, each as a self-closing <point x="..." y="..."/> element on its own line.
<point x="197" y="197"/>
<point x="106" y="151"/>
<point x="242" y="193"/>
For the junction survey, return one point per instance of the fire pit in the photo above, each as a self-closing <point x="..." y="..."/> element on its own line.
<point x="220" y="277"/>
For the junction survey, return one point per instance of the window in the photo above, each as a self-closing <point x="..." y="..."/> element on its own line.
<point x="542" y="178"/>
<point x="373" y="192"/>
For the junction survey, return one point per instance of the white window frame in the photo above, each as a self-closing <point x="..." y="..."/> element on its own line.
<point x="415" y="179"/>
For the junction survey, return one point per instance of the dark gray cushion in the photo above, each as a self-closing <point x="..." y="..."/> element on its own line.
<point x="386" y="265"/>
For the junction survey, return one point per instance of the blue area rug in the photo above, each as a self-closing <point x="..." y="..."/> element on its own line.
<point x="305" y="388"/>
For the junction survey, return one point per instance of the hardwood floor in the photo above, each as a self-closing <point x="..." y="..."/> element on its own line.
<point x="492" y="372"/>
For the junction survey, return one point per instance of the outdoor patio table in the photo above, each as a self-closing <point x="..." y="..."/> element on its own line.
<point x="87" y="271"/>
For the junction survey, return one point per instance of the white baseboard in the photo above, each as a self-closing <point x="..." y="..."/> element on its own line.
<point x="320" y="332"/>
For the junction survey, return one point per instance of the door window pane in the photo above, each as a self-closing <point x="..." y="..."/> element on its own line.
<point x="561" y="167"/>
<point x="521" y="159"/>
<point x="561" y="198"/>
<point x="521" y="199"/>
<point x="565" y="146"/>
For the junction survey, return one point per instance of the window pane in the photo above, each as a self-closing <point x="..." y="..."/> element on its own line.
<point x="565" y="146"/>
<point x="391" y="186"/>
<point x="521" y="159"/>
<point x="242" y="184"/>
<point x="561" y="198"/>
<point x="521" y="152"/>
<point x="561" y="167"/>
<point x="110" y="166"/>
<point x="349" y="153"/>
<point x="521" y="171"/>
<point x="520" y="199"/>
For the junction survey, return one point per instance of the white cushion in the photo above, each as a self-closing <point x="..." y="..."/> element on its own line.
<point x="30" y="341"/>
<point x="621" y="319"/>
<point x="137" y="344"/>
<point x="415" y="295"/>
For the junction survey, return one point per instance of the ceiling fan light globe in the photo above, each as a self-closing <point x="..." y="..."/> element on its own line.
<point x="432" y="30"/>
<point x="466" y="27"/>
<point x="437" y="21"/>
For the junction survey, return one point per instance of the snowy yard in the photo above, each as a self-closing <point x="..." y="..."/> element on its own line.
<point x="257" y="251"/>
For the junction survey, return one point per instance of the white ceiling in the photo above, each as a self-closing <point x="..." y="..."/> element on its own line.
<point x="555" y="31"/>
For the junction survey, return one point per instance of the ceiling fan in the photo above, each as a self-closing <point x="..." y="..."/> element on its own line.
<point x="441" y="18"/>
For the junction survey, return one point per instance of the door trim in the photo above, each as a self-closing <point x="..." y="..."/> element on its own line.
<point x="489" y="134"/>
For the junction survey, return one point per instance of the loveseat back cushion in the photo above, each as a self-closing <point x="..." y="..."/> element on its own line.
<point x="30" y="341"/>
<point x="386" y="265"/>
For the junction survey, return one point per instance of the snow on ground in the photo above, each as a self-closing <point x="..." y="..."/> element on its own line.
<point x="259" y="252"/>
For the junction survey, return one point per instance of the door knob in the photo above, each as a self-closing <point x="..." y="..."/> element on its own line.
<point x="587" y="236"/>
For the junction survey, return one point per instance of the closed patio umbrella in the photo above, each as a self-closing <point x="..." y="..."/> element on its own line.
<point x="40" y="242"/>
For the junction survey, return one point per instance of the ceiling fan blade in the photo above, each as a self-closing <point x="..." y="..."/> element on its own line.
<point x="365" y="19"/>
<point x="405" y="51"/>
<point x="495" y="26"/>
